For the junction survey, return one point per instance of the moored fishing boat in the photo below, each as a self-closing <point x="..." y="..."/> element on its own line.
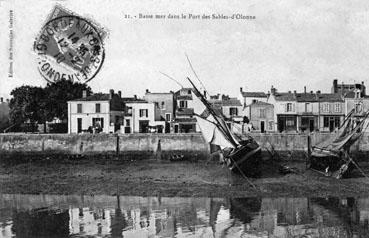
<point x="240" y="155"/>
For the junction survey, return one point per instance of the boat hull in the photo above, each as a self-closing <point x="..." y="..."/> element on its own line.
<point x="331" y="164"/>
<point x="245" y="159"/>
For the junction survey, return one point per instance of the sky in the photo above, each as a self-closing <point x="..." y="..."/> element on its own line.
<point x="289" y="44"/>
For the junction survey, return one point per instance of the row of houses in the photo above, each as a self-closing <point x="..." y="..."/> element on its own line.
<point x="173" y="112"/>
<point x="306" y="111"/>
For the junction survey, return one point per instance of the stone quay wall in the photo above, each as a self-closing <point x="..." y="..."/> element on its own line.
<point x="148" y="145"/>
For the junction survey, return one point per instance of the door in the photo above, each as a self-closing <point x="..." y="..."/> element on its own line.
<point x="311" y="124"/>
<point x="331" y="124"/>
<point x="262" y="126"/>
<point x="143" y="126"/>
<point x="79" y="125"/>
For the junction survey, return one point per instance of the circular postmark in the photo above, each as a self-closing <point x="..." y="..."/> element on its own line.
<point x="69" y="47"/>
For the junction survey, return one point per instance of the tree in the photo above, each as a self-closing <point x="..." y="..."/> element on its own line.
<point x="27" y="105"/>
<point x="58" y="94"/>
<point x="39" y="105"/>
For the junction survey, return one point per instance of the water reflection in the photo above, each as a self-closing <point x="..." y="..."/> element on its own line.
<point x="108" y="216"/>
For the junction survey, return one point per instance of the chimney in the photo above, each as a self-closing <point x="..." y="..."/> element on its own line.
<point x="1" y="100"/>
<point x="294" y="92"/>
<point x="84" y="93"/>
<point x="135" y="97"/>
<point x="120" y="94"/>
<point x="147" y="91"/>
<point x="241" y="89"/>
<point x="318" y="92"/>
<point x="289" y="91"/>
<point x="273" y="90"/>
<point x="311" y="91"/>
<point x="111" y="93"/>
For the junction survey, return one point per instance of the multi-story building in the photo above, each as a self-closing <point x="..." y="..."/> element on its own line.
<point x="251" y="97"/>
<point x="165" y="102"/>
<point x="307" y="111"/>
<point x="261" y="116"/>
<point x="98" y="112"/>
<point x="345" y="88"/>
<point x="331" y="111"/>
<point x="142" y="117"/>
<point x="184" y="121"/>
<point x="285" y="110"/>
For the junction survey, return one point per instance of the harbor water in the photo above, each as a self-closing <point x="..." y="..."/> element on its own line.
<point x="127" y="216"/>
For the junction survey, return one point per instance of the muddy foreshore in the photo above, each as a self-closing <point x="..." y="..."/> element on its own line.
<point x="165" y="178"/>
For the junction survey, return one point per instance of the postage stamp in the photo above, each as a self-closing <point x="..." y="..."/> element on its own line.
<point x="69" y="47"/>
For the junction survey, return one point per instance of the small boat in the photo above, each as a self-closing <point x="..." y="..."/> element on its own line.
<point x="240" y="155"/>
<point x="332" y="157"/>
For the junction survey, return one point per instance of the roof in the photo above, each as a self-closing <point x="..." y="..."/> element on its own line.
<point x="184" y="111"/>
<point x="285" y="96"/>
<point x="185" y="119"/>
<point x="306" y="97"/>
<point x="133" y="100"/>
<point x="231" y="102"/>
<point x="330" y="97"/>
<point x="225" y="102"/>
<point x="95" y="97"/>
<point x="351" y="94"/>
<point x="254" y="94"/>
<point x="260" y="103"/>
<point x="184" y="97"/>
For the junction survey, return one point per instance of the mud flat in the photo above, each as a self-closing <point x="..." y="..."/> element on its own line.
<point x="165" y="178"/>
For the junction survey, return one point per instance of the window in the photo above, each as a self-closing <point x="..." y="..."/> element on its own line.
<point x="262" y="113"/>
<point x="167" y="116"/>
<point x="144" y="112"/>
<point x="183" y="104"/>
<point x="97" y="107"/>
<point x="189" y="92"/>
<point x="270" y="125"/>
<point x="357" y="94"/>
<point x="336" y="122"/>
<point x="326" y="122"/>
<point x="79" y="108"/>
<point x="290" y="121"/>
<point x="289" y="107"/>
<point x="337" y="107"/>
<point x="308" y="107"/>
<point x="325" y="107"/>
<point x="128" y="122"/>
<point x="233" y="111"/>
<point x="358" y="108"/>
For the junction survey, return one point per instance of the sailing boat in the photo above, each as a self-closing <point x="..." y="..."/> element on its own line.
<point x="242" y="156"/>
<point x="332" y="156"/>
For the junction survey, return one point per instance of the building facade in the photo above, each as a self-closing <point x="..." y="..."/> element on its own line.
<point x="184" y="110"/>
<point x="261" y="117"/>
<point x="142" y="117"/>
<point x="97" y="113"/>
<point x="166" y="104"/>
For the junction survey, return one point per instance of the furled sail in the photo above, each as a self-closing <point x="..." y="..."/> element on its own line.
<point x="349" y="132"/>
<point x="212" y="134"/>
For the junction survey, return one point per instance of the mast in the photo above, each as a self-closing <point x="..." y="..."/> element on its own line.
<point x="218" y="123"/>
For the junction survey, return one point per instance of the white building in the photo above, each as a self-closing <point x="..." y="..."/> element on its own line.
<point x="98" y="112"/>
<point x="142" y="117"/>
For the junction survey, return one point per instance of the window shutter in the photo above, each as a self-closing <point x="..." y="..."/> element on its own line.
<point x="285" y="107"/>
<point x="293" y="107"/>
